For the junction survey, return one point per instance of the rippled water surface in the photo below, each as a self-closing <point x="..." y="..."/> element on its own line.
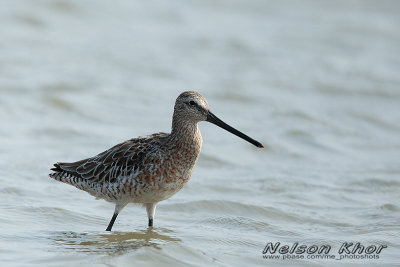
<point x="316" y="82"/>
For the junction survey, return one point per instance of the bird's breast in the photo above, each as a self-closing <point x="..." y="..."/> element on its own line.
<point x="183" y="159"/>
<point x="178" y="166"/>
<point x="169" y="171"/>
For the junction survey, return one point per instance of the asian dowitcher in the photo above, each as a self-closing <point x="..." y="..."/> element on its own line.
<point x="147" y="169"/>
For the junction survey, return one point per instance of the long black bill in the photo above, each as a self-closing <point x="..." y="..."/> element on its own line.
<point x="214" y="119"/>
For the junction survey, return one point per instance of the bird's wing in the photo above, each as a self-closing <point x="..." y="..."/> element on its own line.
<point x="120" y="160"/>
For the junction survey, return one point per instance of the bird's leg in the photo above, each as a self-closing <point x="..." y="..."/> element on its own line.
<point x="110" y="225"/>
<point x="151" y="210"/>
<point x="118" y="208"/>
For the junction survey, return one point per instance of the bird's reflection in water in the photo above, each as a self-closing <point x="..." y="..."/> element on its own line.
<point x="114" y="242"/>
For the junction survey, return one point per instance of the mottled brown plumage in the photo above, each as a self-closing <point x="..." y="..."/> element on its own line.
<point x="146" y="169"/>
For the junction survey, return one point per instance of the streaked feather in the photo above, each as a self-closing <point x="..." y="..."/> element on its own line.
<point x="108" y="166"/>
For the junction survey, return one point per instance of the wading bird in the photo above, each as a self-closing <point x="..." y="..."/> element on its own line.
<point x="147" y="169"/>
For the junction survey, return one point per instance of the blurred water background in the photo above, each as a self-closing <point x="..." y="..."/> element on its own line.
<point x="316" y="81"/>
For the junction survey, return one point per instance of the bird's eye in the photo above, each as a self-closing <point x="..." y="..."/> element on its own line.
<point x="192" y="103"/>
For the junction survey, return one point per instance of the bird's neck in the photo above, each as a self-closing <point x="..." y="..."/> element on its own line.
<point x="185" y="133"/>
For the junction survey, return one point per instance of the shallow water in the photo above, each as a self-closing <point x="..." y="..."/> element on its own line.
<point x="316" y="82"/>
